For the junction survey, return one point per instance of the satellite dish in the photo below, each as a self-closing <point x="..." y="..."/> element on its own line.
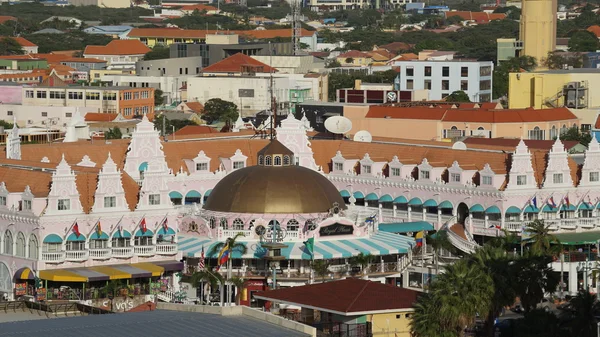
<point x="338" y="124"/>
<point x="363" y="136"/>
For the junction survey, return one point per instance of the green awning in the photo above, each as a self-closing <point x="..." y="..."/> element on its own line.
<point x="74" y="237"/>
<point x="147" y="233"/>
<point x="430" y="203"/>
<point x="567" y="208"/>
<point x="531" y="209"/>
<point x="415" y="202"/>
<point x="548" y="208"/>
<point x="95" y="236"/>
<point x="192" y="194"/>
<point x="386" y="198"/>
<point x="207" y="193"/>
<point x="578" y="238"/>
<point x="400" y="200"/>
<point x="358" y="195"/>
<point x="446" y="204"/>
<point x="143" y="167"/>
<point x="585" y="205"/>
<point x="345" y="194"/>
<point x="513" y="210"/>
<point x="52" y="238"/>
<point x="493" y="210"/>
<point x="123" y="234"/>
<point x="168" y="231"/>
<point x="476" y="208"/>
<point x="404" y="227"/>
<point x="371" y="197"/>
<point x="175" y="195"/>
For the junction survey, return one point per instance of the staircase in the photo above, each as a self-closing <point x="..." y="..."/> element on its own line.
<point x="459" y="236"/>
<point x="170" y="296"/>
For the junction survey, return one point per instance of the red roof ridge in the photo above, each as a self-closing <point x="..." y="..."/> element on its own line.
<point x="358" y="295"/>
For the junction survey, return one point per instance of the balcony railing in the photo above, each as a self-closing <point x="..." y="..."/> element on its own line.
<point x="122" y="252"/>
<point x="76" y="255"/>
<point x="229" y="233"/>
<point x="100" y="254"/>
<point x="166" y="249"/>
<point x="587" y="222"/>
<point x="144" y="250"/>
<point x="54" y="257"/>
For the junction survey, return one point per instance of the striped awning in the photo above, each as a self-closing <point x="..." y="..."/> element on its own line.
<point x="111" y="272"/>
<point x="24" y="274"/>
<point x="378" y="244"/>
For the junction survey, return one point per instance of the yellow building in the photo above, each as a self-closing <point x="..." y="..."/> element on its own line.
<point x="354" y="58"/>
<point x="538" y="28"/>
<point x="348" y="305"/>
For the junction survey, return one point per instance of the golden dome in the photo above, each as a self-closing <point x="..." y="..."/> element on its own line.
<point x="274" y="189"/>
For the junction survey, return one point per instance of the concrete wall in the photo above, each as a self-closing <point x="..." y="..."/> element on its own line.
<point x="393" y="324"/>
<point x="11" y="94"/>
<point x="169" y="67"/>
<point x="34" y="114"/>
<point x="241" y="311"/>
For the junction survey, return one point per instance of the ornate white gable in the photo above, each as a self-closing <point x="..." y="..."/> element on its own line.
<point x="200" y="162"/>
<point x="292" y="134"/>
<point x="454" y="170"/>
<point x="4" y="193"/>
<point x="145" y="147"/>
<point x="110" y="195"/>
<point x="305" y="121"/>
<point x="239" y="124"/>
<point x="425" y="167"/>
<point x="521" y="175"/>
<point x="13" y="143"/>
<point x="45" y="160"/>
<point x="558" y="173"/>
<point x="590" y="173"/>
<point x="86" y="162"/>
<point x="154" y="185"/>
<point x="63" y="189"/>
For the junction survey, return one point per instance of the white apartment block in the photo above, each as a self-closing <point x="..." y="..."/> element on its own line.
<point x="442" y="78"/>
<point x="41" y="116"/>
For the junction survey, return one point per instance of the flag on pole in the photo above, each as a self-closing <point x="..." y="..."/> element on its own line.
<point x="76" y="230"/>
<point x="223" y="256"/>
<point x="551" y="202"/>
<point x="310" y="246"/>
<point x="143" y="226"/>
<point x="201" y="262"/>
<point x="533" y="202"/>
<point x="165" y="226"/>
<point x="99" y="229"/>
<point x="419" y="238"/>
<point x="567" y="201"/>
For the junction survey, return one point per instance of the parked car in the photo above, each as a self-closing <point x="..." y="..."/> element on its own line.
<point x="547" y="304"/>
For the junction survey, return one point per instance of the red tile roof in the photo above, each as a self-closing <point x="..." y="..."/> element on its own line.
<point x="201" y="33"/>
<point x="354" y="54"/>
<point x="511" y="144"/>
<point x="199" y="7"/>
<point x="196" y="107"/>
<point x="397" y="47"/>
<point x="194" y="130"/>
<point x="594" y="29"/>
<point x="84" y="60"/>
<point x="479" y="17"/>
<point x="23" y="42"/>
<point x="99" y="117"/>
<point x="480" y="115"/>
<point x="118" y="47"/>
<point x="4" y="18"/>
<point x="235" y="63"/>
<point x="346" y="297"/>
<point x="52" y="58"/>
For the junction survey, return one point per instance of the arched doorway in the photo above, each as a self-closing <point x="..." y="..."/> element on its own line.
<point x="462" y="212"/>
<point x="6" y="285"/>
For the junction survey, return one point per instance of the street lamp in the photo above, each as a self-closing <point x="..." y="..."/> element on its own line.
<point x="586" y="267"/>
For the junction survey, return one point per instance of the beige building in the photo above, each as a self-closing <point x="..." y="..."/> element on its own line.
<point x="102" y="3"/>
<point x="538" y="28"/>
<point x="451" y="122"/>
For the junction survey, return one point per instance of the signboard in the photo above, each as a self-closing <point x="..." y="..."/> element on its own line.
<point x="20" y="289"/>
<point x="246" y="92"/>
<point x="41" y="294"/>
<point x="336" y="229"/>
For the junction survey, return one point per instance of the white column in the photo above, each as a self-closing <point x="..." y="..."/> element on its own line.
<point x="409" y="213"/>
<point x="424" y="213"/>
<point x="572" y="267"/>
<point x="380" y="212"/>
<point x="394" y="208"/>
<point x="486" y="221"/>
<point x="439" y="219"/>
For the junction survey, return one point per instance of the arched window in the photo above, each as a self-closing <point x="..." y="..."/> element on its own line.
<point x="277" y="160"/>
<point x="268" y="161"/>
<point x="223" y="223"/>
<point x="563" y="129"/>
<point x="293" y="225"/>
<point x="238" y="224"/>
<point x="453" y="128"/>
<point x="480" y="128"/>
<point x="20" y="247"/>
<point x="251" y="224"/>
<point x="8" y="243"/>
<point x="212" y="222"/>
<point x="261" y="160"/>
<point x="33" y="247"/>
<point x="286" y="160"/>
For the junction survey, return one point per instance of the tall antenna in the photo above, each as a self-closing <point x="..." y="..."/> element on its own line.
<point x="271" y="91"/>
<point x="296" y="26"/>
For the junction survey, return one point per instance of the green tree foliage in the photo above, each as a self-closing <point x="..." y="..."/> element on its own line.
<point x="159" y="99"/>
<point x="534" y="279"/>
<point x="6" y="125"/>
<point x="583" y="41"/>
<point x="321" y="268"/>
<point x="540" y="238"/>
<point x="8" y="46"/>
<point x="582" y="316"/>
<point x="512" y="12"/>
<point x="562" y="60"/>
<point x="342" y="81"/>
<point x="516" y="64"/>
<point x="199" y="21"/>
<point x="537" y="323"/>
<point x="171" y="124"/>
<point x="232" y="243"/>
<point x="72" y="40"/>
<point x="574" y="134"/>
<point x="158" y="52"/>
<point x="114" y="133"/>
<point x="458" y="96"/>
<point x="216" y="109"/>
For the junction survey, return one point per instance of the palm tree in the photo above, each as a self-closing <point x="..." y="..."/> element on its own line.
<point x="321" y="268"/>
<point x="205" y="276"/>
<point x="233" y="245"/>
<point x="425" y="320"/>
<point x="542" y="241"/>
<point x="534" y="279"/>
<point x="584" y="309"/>
<point x="462" y="292"/>
<point x="362" y="260"/>
<point x="238" y="283"/>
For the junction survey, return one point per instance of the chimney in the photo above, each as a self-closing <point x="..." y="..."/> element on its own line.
<point x="357" y="84"/>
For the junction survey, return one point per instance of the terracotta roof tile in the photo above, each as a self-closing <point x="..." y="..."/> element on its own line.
<point x="511" y="144"/>
<point x="99" y="117"/>
<point x="236" y="63"/>
<point x="594" y="29"/>
<point x="4" y="18"/>
<point x="16" y="180"/>
<point x="346" y="296"/>
<point x="354" y="54"/>
<point x="52" y="58"/>
<point x="118" y="47"/>
<point x="194" y="130"/>
<point x="196" y="107"/>
<point x="479" y="17"/>
<point x="21" y="41"/>
<point x="84" y="60"/>
<point x="199" y="7"/>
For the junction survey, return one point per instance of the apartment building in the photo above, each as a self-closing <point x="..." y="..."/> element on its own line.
<point x="119" y="54"/>
<point x="129" y="102"/>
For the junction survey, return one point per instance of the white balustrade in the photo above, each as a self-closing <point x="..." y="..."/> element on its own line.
<point x="554" y="224"/>
<point x="122" y="252"/>
<point x="144" y="250"/>
<point x="292" y="234"/>
<point x="478" y="223"/>
<point x="460" y="243"/>
<point x="513" y="226"/>
<point x="229" y="233"/>
<point x="100" y="254"/>
<point x="53" y="257"/>
<point x="166" y="249"/>
<point x="76" y="255"/>
<point x="431" y="217"/>
<point x="587" y="222"/>
<point x="569" y="223"/>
